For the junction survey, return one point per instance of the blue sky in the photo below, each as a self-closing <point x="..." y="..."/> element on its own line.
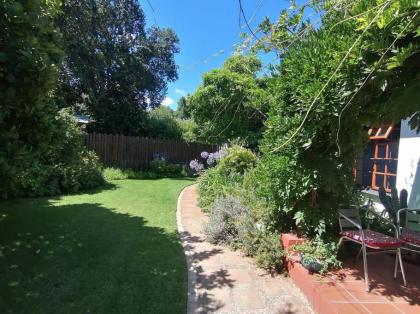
<point x="207" y="31"/>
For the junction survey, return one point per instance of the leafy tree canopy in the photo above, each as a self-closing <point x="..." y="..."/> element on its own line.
<point x="231" y="102"/>
<point x="114" y="67"/>
<point x="162" y="123"/>
<point x="183" y="111"/>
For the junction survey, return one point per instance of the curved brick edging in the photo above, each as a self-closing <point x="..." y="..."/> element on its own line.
<point x="224" y="281"/>
<point x="192" y="278"/>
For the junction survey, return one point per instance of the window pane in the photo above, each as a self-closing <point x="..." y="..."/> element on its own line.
<point x="379" y="180"/>
<point x="393" y="150"/>
<point x="391" y="181"/>
<point x="392" y="166"/>
<point x="381" y="151"/>
<point x="380" y="165"/>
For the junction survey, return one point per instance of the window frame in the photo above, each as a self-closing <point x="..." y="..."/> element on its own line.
<point x="378" y="130"/>
<point x="386" y="173"/>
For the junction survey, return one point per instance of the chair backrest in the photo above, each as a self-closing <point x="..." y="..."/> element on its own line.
<point x="412" y="220"/>
<point x="351" y="213"/>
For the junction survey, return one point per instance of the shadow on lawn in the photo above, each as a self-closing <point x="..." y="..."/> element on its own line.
<point x="86" y="258"/>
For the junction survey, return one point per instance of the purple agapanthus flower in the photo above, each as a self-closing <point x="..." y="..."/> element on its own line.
<point x="211" y="159"/>
<point x="196" y="165"/>
<point x="204" y="155"/>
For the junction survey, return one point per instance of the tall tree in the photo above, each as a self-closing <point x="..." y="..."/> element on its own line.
<point x="29" y="55"/>
<point x="183" y="111"/>
<point x="231" y="102"/>
<point x="114" y="67"/>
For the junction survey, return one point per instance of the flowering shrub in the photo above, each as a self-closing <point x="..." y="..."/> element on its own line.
<point x="224" y="173"/>
<point x="209" y="160"/>
<point x="196" y="165"/>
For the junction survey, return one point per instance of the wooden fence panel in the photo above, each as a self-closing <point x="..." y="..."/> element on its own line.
<point x="137" y="152"/>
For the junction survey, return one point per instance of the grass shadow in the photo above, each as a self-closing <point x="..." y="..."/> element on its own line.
<point x="85" y="257"/>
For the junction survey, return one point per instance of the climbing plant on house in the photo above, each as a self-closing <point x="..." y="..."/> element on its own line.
<point x="358" y="68"/>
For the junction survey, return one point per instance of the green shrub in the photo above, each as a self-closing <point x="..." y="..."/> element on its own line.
<point x="213" y="184"/>
<point x="256" y="241"/>
<point x="162" y="168"/>
<point x="238" y="160"/>
<point x="320" y="251"/>
<point x="29" y="56"/>
<point x="158" y="169"/>
<point x="226" y="177"/>
<point x="67" y="166"/>
<point x="264" y="188"/>
<point x="111" y="173"/>
<point x="269" y="255"/>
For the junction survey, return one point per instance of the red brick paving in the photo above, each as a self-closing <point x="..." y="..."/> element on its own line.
<point x="224" y="281"/>
<point x="343" y="291"/>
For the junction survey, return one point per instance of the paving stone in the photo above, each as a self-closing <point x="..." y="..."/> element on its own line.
<point x="223" y="281"/>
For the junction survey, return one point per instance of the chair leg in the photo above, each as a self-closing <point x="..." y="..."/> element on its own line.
<point x="396" y="264"/>
<point x="358" y="254"/>
<point x="340" y="242"/>
<point x="365" y="266"/>
<point x="401" y="266"/>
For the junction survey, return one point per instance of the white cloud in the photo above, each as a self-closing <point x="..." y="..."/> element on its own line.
<point x="167" y="101"/>
<point x="180" y="91"/>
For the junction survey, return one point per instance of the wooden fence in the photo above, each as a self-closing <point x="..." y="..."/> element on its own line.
<point x="137" y="152"/>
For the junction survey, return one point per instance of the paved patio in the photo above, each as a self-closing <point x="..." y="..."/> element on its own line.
<point x="224" y="281"/>
<point x="343" y="291"/>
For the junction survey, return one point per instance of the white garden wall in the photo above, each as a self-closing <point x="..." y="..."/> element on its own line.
<point x="408" y="173"/>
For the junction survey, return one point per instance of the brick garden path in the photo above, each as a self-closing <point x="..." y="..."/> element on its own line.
<point x="224" y="281"/>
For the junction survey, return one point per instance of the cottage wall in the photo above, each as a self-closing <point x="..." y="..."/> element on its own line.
<point x="408" y="174"/>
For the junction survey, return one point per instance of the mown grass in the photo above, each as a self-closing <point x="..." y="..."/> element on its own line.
<point x="114" y="250"/>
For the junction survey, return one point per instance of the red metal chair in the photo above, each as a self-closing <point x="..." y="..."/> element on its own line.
<point x="351" y="230"/>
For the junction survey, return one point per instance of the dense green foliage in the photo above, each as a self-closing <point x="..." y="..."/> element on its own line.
<point x="183" y="111"/>
<point x="332" y="84"/>
<point x="233" y="218"/>
<point x="114" y="68"/>
<point x="163" y="122"/>
<point x="29" y="56"/>
<point x="66" y="167"/>
<point x="231" y="102"/>
<point x="115" y="250"/>
<point x="237" y="160"/>
<point x="158" y="168"/>
<point x="357" y="69"/>
<point x="318" y="251"/>
<point x="225" y="178"/>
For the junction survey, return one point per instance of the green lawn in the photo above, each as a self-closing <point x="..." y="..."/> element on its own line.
<point x="109" y="251"/>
